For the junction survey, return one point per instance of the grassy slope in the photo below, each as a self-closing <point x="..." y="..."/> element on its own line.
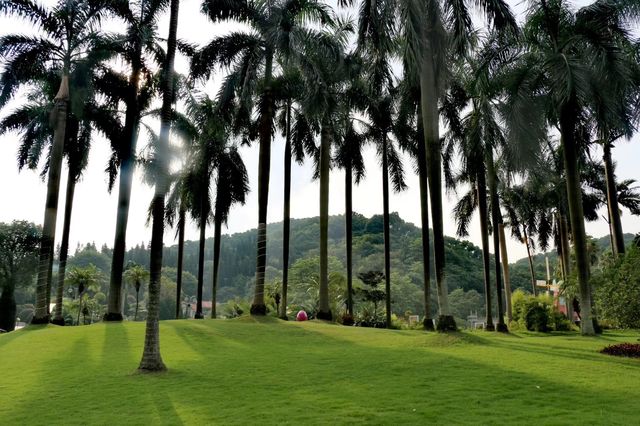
<point x="244" y="371"/>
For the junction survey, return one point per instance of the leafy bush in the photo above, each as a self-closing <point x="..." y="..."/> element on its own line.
<point x="537" y="313"/>
<point x="617" y="292"/>
<point x="631" y="350"/>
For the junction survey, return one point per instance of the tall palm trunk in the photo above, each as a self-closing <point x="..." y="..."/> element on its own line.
<point x="151" y="358"/>
<point x="127" y="167"/>
<point x="484" y="233"/>
<point x="565" y="257"/>
<point x="324" y="311"/>
<point x="217" y="234"/>
<point x="135" y="316"/>
<point x="203" y="227"/>
<point x="576" y="214"/>
<point x="64" y="247"/>
<point x="534" y="287"/>
<point x="496" y="220"/>
<point x="264" y="164"/>
<point x="617" y="236"/>
<point x="386" y="233"/>
<point x="505" y="271"/>
<point x="424" y="216"/>
<point x="348" y="220"/>
<point x="429" y="104"/>
<point x="181" y="218"/>
<point x="286" y="222"/>
<point x="41" y="315"/>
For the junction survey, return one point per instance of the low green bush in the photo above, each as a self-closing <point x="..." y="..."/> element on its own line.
<point x="536" y="313"/>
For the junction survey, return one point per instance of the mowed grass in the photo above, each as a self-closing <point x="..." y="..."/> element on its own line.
<point x="248" y="371"/>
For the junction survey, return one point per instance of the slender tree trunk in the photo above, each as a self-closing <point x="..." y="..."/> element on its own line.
<point x="41" y="315"/>
<point x="424" y="216"/>
<point x="264" y="164"/>
<point x="429" y="105"/>
<point x="324" y="311"/>
<point x="217" y="234"/>
<point x="203" y="227"/>
<point x="181" y="219"/>
<point x="617" y="236"/>
<point x="534" y="286"/>
<point x="286" y="222"/>
<point x="576" y="214"/>
<point x="127" y="168"/>
<point x="135" y="316"/>
<point x="348" y="204"/>
<point x="151" y="358"/>
<point x="484" y="233"/>
<point x="386" y="233"/>
<point x="64" y="248"/>
<point x="565" y="257"/>
<point x="505" y="270"/>
<point x="79" y="309"/>
<point x="496" y="220"/>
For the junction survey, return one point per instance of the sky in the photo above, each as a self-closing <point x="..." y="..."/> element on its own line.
<point x="22" y="194"/>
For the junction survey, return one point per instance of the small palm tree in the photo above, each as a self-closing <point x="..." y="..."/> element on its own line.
<point x="136" y="276"/>
<point x="84" y="279"/>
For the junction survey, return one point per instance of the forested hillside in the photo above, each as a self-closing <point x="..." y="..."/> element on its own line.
<point x="237" y="267"/>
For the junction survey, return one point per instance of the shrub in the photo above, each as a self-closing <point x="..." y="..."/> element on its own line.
<point x="631" y="350"/>
<point x="537" y="318"/>
<point x="536" y="313"/>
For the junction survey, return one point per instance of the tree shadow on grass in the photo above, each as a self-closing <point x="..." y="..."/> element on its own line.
<point x="116" y="340"/>
<point x="484" y="387"/>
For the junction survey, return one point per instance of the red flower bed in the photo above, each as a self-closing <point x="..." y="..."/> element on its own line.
<point x="631" y="350"/>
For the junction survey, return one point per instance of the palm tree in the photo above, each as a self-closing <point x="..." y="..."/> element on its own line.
<point x="136" y="275"/>
<point x="349" y="157"/>
<point x="151" y="358"/>
<point x="277" y="29"/>
<point x="232" y="186"/>
<point x="378" y="128"/>
<point x="84" y="116"/>
<point x="409" y="131"/>
<point x="139" y="48"/>
<point x="324" y="68"/>
<point x="178" y="204"/>
<point x="434" y="31"/>
<point x="67" y="33"/>
<point x="84" y="279"/>
<point x="299" y="140"/>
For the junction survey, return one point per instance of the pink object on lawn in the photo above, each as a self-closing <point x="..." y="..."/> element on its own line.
<point x="302" y="316"/>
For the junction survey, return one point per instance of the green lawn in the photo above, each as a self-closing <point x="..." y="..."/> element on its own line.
<point x="255" y="372"/>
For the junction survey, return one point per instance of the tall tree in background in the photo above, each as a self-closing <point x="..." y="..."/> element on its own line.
<point x="324" y="68"/>
<point x="378" y="129"/>
<point x="434" y="31"/>
<point x="299" y="141"/>
<point x="232" y="186"/>
<point x="277" y="28"/>
<point x="151" y="358"/>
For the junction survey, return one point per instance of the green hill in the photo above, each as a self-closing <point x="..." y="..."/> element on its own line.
<point x="270" y="372"/>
